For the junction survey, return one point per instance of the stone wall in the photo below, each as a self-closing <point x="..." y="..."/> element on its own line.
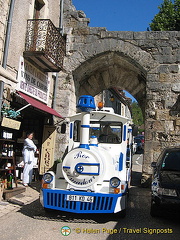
<point x="146" y="64"/>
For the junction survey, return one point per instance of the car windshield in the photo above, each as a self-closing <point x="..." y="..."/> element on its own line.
<point x="171" y="161"/>
<point x="140" y="136"/>
<point x="137" y="140"/>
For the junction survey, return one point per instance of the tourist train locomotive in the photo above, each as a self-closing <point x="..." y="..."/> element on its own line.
<point x="95" y="174"/>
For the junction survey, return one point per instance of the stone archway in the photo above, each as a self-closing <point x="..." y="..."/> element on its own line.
<point x="110" y="69"/>
<point x="115" y="69"/>
<point x="146" y="64"/>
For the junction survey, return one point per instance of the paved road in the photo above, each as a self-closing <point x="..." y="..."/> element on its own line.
<point x="31" y="222"/>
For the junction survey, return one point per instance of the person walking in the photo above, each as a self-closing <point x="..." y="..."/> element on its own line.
<point x="28" y="157"/>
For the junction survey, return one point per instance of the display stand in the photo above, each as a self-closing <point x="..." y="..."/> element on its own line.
<point x="7" y="161"/>
<point x="7" y="166"/>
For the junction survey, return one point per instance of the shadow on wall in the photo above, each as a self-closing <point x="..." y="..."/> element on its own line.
<point x="175" y="110"/>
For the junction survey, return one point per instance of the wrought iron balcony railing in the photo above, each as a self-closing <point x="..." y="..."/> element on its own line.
<point x="44" y="45"/>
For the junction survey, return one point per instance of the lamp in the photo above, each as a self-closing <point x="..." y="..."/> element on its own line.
<point x="112" y="98"/>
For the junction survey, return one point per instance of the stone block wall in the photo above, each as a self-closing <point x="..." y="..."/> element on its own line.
<point x="147" y="64"/>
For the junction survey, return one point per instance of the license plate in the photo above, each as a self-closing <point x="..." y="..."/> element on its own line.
<point x="80" y="198"/>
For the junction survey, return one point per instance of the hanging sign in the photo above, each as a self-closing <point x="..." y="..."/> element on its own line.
<point x="32" y="81"/>
<point x="47" y="152"/>
<point x="10" y="123"/>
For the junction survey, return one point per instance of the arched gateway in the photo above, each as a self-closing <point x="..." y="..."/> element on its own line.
<point x="146" y="64"/>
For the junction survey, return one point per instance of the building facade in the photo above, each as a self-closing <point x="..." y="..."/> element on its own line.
<point x="32" y="50"/>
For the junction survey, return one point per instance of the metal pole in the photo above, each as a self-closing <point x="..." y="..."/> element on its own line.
<point x="1" y="96"/>
<point x="8" y="32"/>
<point x="61" y="17"/>
<point x="62" y="32"/>
<point x="23" y="107"/>
<point x="6" y="48"/>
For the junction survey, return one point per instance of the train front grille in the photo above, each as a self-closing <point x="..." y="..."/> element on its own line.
<point x="102" y="203"/>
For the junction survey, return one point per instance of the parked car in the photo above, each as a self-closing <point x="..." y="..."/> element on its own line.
<point x="139" y="143"/>
<point x="141" y="137"/>
<point x="166" y="180"/>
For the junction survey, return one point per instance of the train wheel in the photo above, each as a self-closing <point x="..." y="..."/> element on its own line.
<point x="123" y="213"/>
<point x="154" y="210"/>
<point x="49" y="210"/>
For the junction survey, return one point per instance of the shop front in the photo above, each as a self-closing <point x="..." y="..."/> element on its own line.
<point x="27" y="110"/>
<point x="36" y="118"/>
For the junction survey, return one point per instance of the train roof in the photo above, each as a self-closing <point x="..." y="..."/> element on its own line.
<point x="102" y="116"/>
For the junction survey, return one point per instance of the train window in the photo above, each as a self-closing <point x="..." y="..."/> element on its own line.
<point x="106" y="132"/>
<point x="76" y="132"/>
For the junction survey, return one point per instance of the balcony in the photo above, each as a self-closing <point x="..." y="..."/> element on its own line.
<point x="44" y="45"/>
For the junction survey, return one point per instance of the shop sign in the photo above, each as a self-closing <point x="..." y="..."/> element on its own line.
<point x="47" y="152"/>
<point x="10" y="123"/>
<point x="32" y="81"/>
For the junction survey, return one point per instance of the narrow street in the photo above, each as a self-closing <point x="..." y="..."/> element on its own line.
<point x="31" y="222"/>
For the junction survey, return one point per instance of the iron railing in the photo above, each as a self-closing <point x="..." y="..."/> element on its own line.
<point x="43" y="37"/>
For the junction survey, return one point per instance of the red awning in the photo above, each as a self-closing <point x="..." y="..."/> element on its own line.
<point x="39" y="105"/>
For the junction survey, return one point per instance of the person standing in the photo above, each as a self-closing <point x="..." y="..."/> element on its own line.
<point x="28" y="157"/>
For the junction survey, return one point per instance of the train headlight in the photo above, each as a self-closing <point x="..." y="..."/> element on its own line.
<point x="48" y="177"/>
<point x="115" y="182"/>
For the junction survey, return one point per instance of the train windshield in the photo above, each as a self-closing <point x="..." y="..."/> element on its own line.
<point x="106" y="132"/>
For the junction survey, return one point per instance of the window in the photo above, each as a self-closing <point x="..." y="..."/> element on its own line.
<point x="38" y="4"/>
<point x="76" y="131"/>
<point x="106" y="132"/>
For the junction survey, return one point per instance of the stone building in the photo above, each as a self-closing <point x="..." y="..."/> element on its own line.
<point x="32" y="50"/>
<point x="4" y="10"/>
<point x="116" y="99"/>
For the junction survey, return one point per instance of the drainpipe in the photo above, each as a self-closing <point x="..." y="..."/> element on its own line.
<point x="6" y="48"/>
<point x="55" y="77"/>
<point x="8" y="31"/>
<point x="61" y="32"/>
<point x="1" y="96"/>
<point x="61" y="17"/>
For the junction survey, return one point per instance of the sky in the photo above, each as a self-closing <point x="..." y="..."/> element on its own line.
<point x="119" y="15"/>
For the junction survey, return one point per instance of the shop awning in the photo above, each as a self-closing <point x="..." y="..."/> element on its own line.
<point x="39" y="105"/>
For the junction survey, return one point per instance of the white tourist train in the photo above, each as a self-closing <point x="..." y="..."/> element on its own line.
<point x="95" y="174"/>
